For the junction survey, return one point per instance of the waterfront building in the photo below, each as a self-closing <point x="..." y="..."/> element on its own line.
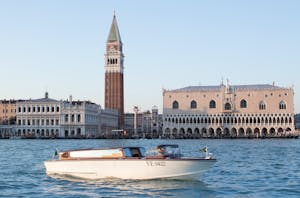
<point x="227" y="111"/>
<point x="8" y="112"/>
<point x="114" y="67"/>
<point x="79" y="119"/>
<point x="132" y="126"/>
<point x="152" y="123"/>
<point x="148" y="124"/>
<point x="38" y="118"/>
<point x="50" y="118"/>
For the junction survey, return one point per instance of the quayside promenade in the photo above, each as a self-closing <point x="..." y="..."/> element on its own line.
<point x="8" y="132"/>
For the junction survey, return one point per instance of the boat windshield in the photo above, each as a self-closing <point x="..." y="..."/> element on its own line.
<point x="171" y="151"/>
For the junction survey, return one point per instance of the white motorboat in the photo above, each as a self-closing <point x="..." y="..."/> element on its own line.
<point x="129" y="163"/>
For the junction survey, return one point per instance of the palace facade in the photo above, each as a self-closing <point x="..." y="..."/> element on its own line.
<point x="227" y="111"/>
<point x="50" y="118"/>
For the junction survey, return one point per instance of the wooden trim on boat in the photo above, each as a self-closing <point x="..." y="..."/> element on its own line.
<point x="138" y="159"/>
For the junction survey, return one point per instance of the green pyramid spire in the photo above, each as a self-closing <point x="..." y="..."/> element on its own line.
<point x="114" y="34"/>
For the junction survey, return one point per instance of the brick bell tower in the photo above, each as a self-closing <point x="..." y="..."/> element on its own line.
<point x="114" y="61"/>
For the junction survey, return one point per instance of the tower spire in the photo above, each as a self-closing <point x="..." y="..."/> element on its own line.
<point x="114" y="34"/>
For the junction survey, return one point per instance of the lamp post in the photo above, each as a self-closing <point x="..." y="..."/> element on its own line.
<point x="135" y="110"/>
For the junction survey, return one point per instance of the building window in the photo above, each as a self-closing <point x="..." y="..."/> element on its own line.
<point x="282" y="105"/>
<point x="212" y="104"/>
<point x="193" y="104"/>
<point x="38" y="109"/>
<point x="33" y="109"/>
<point x="262" y="106"/>
<point x="243" y="104"/>
<point x="57" y="109"/>
<point x="72" y="118"/>
<point x="19" y="109"/>
<point x="48" y="109"/>
<point x="52" y="109"/>
<point x="78" y="118"/>
<point x="227" y="106"/>
<point x="175" y="105"/>
<point x="66" y="118"/>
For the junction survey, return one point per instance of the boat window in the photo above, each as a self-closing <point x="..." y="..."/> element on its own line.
<point x="127" y="152"/>
<point x="142" y="152"/>
<point x="135" y="152"/>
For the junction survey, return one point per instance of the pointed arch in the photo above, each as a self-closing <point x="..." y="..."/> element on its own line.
<point x="233" y="132"/>
<point x="193" y="104"/>
<point x="227" y="106"/>
<point x="241" y="132"/>
<point x="211" y="132"/>
<point x="282" y="105"/>
<point x="264" y="132"/>
<point x="262" y="105"/>
<point x="197" y="133"/>
<point x="226" y="133"/>
<point x="243" y="104"/>
<point x="212" y="104"/>
<point x="175" y="105"/>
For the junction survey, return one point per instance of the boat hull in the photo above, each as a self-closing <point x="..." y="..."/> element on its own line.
<point x="130" y="168"/>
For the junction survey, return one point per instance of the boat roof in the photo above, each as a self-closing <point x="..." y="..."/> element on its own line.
<point x="85" y="149"/>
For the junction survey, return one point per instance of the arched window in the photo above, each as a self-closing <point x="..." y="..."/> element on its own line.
<point x="282" y="105"/>
<point x="243" y="104"/>
<point x="227" y="106"/>
<point x="193" y="104"/>
<point x="262" y="106"/>
<point x="212" y="104"/>
<point x="175" y="105"/>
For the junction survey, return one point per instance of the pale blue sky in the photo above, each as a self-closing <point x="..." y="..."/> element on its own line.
<point x="59" y="46"/>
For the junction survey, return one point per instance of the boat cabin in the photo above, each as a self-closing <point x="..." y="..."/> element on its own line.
<point x="111" y="153"/>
